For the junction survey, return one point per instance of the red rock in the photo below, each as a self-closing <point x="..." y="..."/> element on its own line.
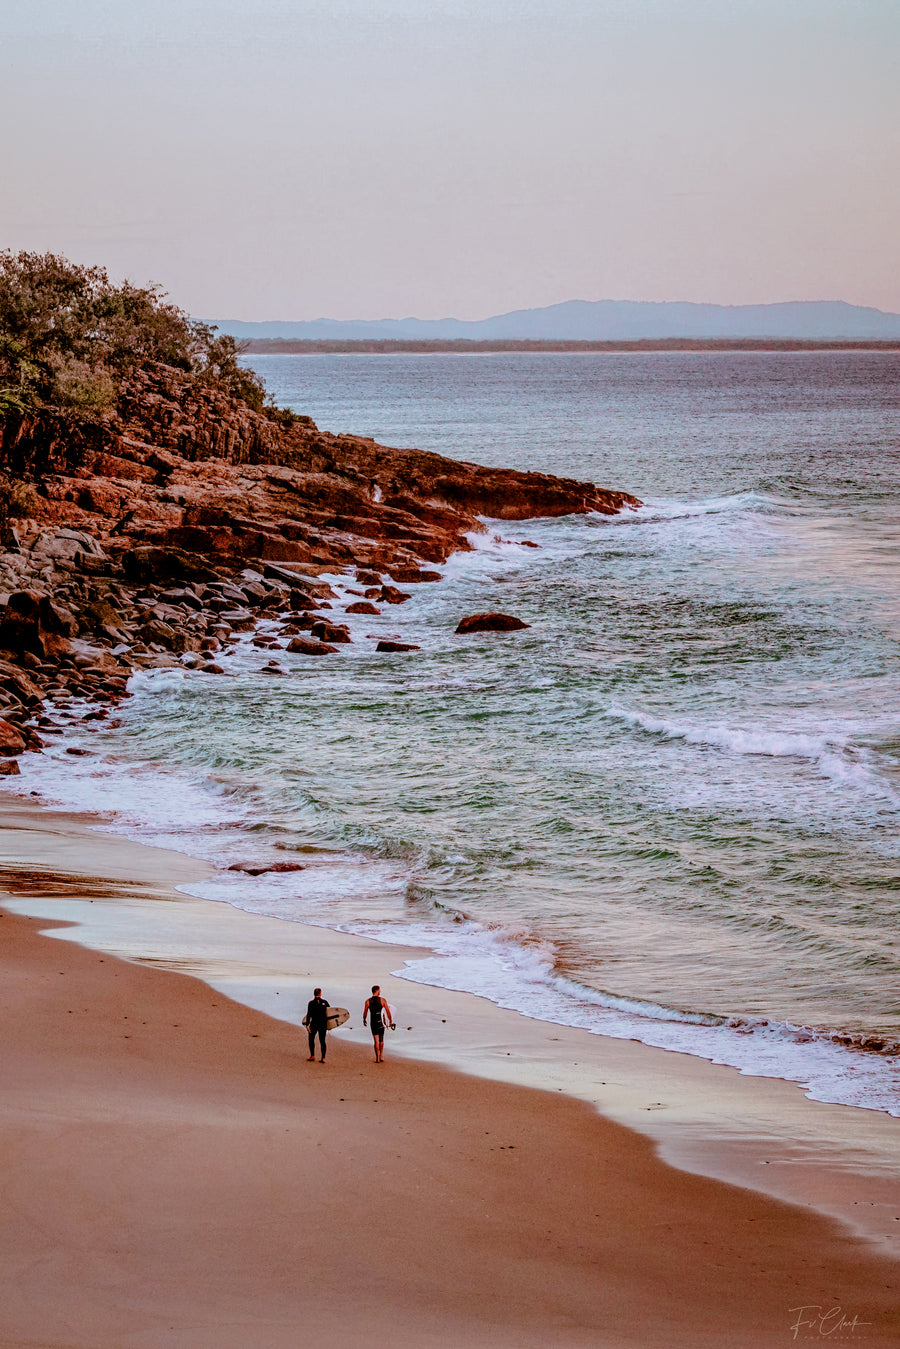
<point x="25" y="603"/>
<point x="410" y="575"/>
<point x="11" y="741"/>
<point x="361" y="607"/>
<point x="304" y="647"/>
<point x="330" y="632"/>
<point x="368" y="578"/>
<point x="391" y="595"/>
<point x="490" y="623"/>
<point x="9" y="768"/>
<point x="396" y="646"/>
<point x="300" y="600"/>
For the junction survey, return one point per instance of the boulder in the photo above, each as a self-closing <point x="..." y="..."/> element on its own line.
<point x="11" y="740"/>
<point x="157" y="632"/>
<point x="490" y="623"/>
<point x="157" y="660"/>
<point x="299" y="599"/>
<point x="239" y="620"/>
<point x="9" y="768"/>
<point x="396" y="646"/>
<point x="99" y="614"/>
<point x="391" y="595"/>
<point x="368" y="578"/>
<point x="165" y="565"/>
<point x="25" y="603"/>
<point x="22" y="629"/>
<point x="17" y="682"/>
<point x="330" y="632"/>
<point x="67" y="544"/>
<point x="304" y="647"/>
<point x="361" y="607"/>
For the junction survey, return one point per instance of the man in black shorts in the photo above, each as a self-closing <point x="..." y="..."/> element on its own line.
<point x="381" y="1015"/>
<point x="316" y="1022"/>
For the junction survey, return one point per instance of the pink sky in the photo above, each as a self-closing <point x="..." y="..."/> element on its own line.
<point x="371" y="158"/>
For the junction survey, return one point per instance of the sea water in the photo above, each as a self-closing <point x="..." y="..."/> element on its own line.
<point x="668" y="809"/>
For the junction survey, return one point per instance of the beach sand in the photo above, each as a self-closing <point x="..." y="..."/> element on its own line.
<point x="176" y="1174"/>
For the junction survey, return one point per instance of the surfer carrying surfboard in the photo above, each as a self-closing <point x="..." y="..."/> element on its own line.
<point x="316" y="1022"/>
<point x="381" y="1014"/>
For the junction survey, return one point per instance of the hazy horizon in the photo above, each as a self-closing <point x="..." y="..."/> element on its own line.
<point x="285" y="160"/>
<point x="552" y="304"/>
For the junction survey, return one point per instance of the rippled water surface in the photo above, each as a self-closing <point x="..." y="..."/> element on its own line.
<point x="675" y="797"/>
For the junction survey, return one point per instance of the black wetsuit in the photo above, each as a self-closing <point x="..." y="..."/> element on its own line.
<point x="376" y="1013"/>
<point x="317" y="1024"/>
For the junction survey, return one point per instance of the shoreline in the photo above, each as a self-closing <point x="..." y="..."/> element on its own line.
<point x="762" y="1133"/>
<point x="289" y="346"/>
<point x="170" y="1172"/>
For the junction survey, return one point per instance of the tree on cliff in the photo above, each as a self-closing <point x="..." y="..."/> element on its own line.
<point x="69" y="337"/>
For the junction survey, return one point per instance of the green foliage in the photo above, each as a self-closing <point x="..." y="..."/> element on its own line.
<point x="69" y="337"/>
<point x="12" y="400"/>
<point x="220" y="366"/>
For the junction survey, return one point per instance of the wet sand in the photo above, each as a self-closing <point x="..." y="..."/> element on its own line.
<point x="176" y="1174"/>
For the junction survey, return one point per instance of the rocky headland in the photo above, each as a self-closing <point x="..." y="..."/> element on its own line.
<point x="152" y="523"/>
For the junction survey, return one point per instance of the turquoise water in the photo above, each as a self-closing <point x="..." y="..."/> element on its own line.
<point x="673" y="800"/>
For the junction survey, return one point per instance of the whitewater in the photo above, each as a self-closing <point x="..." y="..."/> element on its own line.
<point x="669" y="809"/>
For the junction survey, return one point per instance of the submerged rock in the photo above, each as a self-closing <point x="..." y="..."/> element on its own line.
<point x="386" y="645"/>
<point x="262" y="871"/>
<point x="490" y="623"/>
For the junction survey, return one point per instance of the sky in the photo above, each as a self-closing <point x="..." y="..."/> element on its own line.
<point x="291" y="159"/>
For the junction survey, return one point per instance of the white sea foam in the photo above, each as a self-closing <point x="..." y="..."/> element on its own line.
<point x="832" y="754"/>
<point x="496" y="964"/>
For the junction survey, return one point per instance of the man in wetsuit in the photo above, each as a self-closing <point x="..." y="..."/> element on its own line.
<point x="317" y="1024"/>
<point x="381" y="1015"/>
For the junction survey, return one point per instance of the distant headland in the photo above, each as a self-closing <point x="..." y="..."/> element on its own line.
<point x="602" y="321"/>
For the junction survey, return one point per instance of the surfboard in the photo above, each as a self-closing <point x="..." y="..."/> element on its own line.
<point x="336" y="1017"/>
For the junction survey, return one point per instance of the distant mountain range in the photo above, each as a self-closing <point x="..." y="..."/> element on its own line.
<point x="604" y="321"/>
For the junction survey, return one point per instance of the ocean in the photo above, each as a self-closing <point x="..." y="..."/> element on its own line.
<point x="669" y="809"/>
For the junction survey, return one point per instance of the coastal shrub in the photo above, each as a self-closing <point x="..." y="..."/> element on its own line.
<point x="69" y="337"/>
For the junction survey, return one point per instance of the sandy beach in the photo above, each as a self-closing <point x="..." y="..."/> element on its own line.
<point x="176" y="1174"/>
